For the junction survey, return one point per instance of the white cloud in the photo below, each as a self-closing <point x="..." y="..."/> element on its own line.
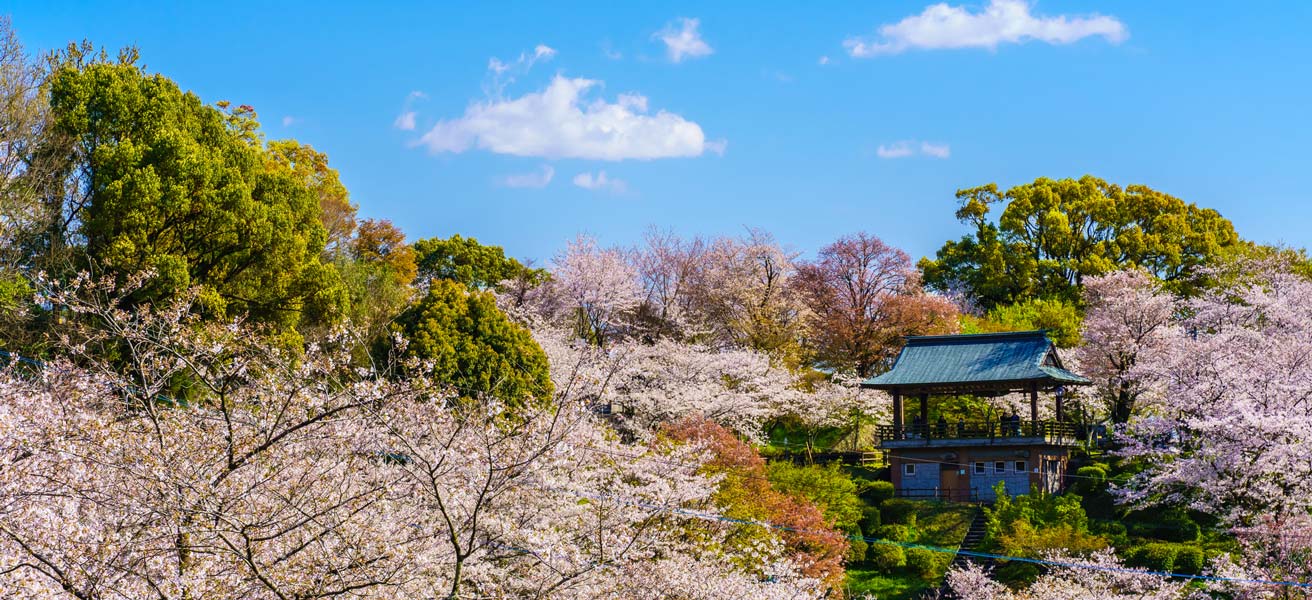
<point x="600" y="182"/>
<point x="560" y="122"/>
<point x="536" y="179"/>
<point x="935" y="150"/>
<point x="289" y="120"/>
<point x="895" y="150"/>
<point x="682" y="40"/>
<point x="907" y="148"/>
<point x="1004" y="21"/>
<point x="501" y="74"/>
<point x="406" y="120"/>
<point x="824" y="60"/>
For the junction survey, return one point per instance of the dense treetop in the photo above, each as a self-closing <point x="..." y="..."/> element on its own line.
<point x="1053" y="233"/>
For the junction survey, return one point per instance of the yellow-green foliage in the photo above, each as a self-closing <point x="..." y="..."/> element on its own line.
<point x="1031" y="524"/>
<point x="829" y="488"/>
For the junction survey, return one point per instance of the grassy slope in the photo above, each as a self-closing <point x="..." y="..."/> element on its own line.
<point x="937" y="524"/>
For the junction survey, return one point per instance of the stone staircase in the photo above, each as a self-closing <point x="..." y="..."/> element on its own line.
<point x="974" y="536"/>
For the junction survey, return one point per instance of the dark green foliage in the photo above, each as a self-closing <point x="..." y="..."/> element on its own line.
<point x="1189" y="560"/>
<point x="468" y="262"/>
<point x="1017" y="574"/>
<point x="829" y="488"/>
<point x="181" y="188"/>
<point x="870" y="519"/>
<point x="1154" y="556"/>
<point x="474" y="346"/>
<point x="893" y="533"/>
<point x="886" y="558"/>
<point x="898" y="511"/>
<point x="876" y="492"/>
<point x="926" y="564"/>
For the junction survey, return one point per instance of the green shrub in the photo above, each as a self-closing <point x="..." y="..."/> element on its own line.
<point x="1177" y="526"/>
<point x="829" y="488"/>
<point x="899" y="512"/>
<point x="877" y="492"/>
<point x="1188" y="560"/>
<point x="894" y="533"/>
<point x="870" y="520"/>
<point x="1095" y="473"/>
<point x="886" y="558"/>
<point x="926" y="564"/>
<point x="857" y="545"/>
<point x="1155" y="557"/>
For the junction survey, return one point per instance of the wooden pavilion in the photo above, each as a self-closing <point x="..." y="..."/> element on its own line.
<point x="963" y="460"/>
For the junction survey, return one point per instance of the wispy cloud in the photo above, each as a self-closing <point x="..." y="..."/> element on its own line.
<point x="824" y="60"/>
<point x="536" y="179"/>
<point x="682" y="40"/>
<point x="289" y="120"/>
<point x="600" y="182"/>
<point x="561" y="121"/>
<point x="503" y="73"/>
<point x="406" y="120"/>
<point x="941" y="26"/>
<point x="906" y="148"/>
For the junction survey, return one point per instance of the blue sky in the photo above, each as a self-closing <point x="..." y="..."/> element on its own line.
<point x="737" y="123"/>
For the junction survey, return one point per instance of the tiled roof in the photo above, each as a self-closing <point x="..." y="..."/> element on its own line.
<point x="977" y="359"/>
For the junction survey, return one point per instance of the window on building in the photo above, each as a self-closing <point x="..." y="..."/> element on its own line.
<point x="1020" y="466"/>
<point x="909" y="469"/>
<point x="979" y="468"/>
<point x="1000" y="467"/>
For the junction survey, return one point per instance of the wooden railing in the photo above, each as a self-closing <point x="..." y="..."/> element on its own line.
<point x="992" y="431"/>
<point x="947" y="494"/>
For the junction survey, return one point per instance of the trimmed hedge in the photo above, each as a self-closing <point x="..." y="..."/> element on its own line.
<point x="894" y="533"/>
<point x="886" y="558"/>
<point x="898" y="511"/>
<point x="926" y="564"/>
<point x="1189" y="560"/>
<point x="857" y="546"/>
<point x="877" y="492"/>
<point x="1156" y="557"/>
<point x="870" y="520"/>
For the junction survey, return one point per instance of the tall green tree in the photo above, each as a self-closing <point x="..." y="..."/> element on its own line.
<point x="169" y="184"/>
<point x="1052" y="233"/>
<point x="470" y="263"/>
<point x="474" y="346"/>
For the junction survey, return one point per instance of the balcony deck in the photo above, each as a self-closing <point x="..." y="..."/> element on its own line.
<point x="991" y="433"/>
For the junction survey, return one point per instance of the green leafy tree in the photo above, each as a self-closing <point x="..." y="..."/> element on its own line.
<point x="1052" y="233"/>
<point x="470" y="263"/>
<point x="474" y="346"/>
<point x="336" y="212"/>
<point x="828" y="488"/>
<point x="1061" y="318"/>
<point x="169" y="184"/>
<point x="1032" y="524"/>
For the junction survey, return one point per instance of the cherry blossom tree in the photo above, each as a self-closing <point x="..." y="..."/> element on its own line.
<point x="598" y="286"/>
<point x="1099" y="576"/>
<point x="1129" y="328"/>
<point x="202" y="461"/>
<point x="1233" y="432"/>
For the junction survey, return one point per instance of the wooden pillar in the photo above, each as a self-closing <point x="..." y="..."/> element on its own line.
<point x="1061" y="412"/>
<point x="924" y="415"/>
<point x="1034" y="403"/>
<point x="897" y="414"/>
